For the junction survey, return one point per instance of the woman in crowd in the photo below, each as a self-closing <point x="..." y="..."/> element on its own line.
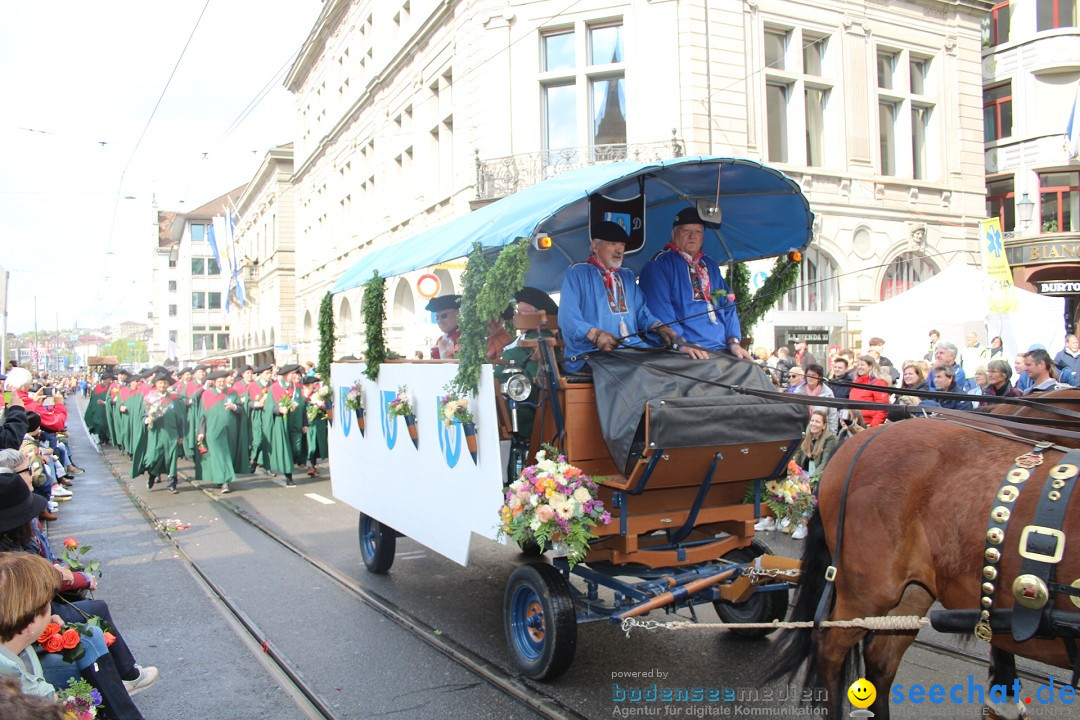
<point x="999" y="376"/>
<point x="818" y="443"/>
<point x="814" y="386"/>
<point x="868" y="373"/>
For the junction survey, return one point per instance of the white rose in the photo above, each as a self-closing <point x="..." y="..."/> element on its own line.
<point x="535" y="525"/>
<point x="534" y="500"/>
<point x="514" y="503"/>
<point x="582" y="494"/>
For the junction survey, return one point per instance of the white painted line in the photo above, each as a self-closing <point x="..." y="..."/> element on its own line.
<point x="319" y="498"/>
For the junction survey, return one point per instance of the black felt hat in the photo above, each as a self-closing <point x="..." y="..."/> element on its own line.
<point x="687" y="216"/>
<point x="246" y="368"/>
<point x="538" y="299"/>
<point x="309" y="380"/>
<point x="204" y="368"/>
<point x="286" y="369"/>
<point x="123" y="371"/>
<point x="18" y="505"/>
<point x="163" y="376"/>
<point x="443" y="302"/>
<point x="614" y="232"/>
<point x="217" y="374"/>
<point x="263" y="368"/>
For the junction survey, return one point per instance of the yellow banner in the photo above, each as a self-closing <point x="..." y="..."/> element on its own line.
<point x="1002" y="293"/>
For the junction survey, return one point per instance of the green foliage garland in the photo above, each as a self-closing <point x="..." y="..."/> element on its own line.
<point x="486" y="289"/>
<point x="326" y="337"/>
<point x="374" y="308"/>
<point x="783" y="277"/>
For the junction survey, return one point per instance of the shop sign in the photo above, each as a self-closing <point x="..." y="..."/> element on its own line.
<point x="1043" y="252"/>
<point x="1058" y="287"/>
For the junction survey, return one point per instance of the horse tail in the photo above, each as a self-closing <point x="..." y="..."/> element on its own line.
<point x="796" y="648"/>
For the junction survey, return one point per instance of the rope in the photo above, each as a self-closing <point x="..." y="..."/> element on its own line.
<point x="883" y="622"/>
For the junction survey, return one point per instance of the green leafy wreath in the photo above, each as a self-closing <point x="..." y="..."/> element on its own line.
<point x="784" y="275"/>
<point x="374" y="309"/>
<point x="326" y="337"/>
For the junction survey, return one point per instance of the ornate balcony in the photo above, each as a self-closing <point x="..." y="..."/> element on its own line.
<point x="499" y="177"/>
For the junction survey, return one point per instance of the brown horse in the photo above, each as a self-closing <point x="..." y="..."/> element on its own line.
<point x="917" y="511"/>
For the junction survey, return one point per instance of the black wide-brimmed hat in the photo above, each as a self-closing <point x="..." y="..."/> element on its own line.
<point x="286" y="369"/>
<point x="538" y="299"/>
<point x="263" y="368"/>
<point x="218" y="374"/>
<point x="614" y="232"/>
<point x="688" y="216"/>
<point x="443" y="302"/>
<point x="18" y="505"/>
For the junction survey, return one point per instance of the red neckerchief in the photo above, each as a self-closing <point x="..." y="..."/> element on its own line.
<point x="697" y="267"/>
<point x="608" y="274"/>
<point x="616" y="294"/>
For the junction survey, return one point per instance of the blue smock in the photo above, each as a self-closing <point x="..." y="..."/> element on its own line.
<point x="669" y="293"/>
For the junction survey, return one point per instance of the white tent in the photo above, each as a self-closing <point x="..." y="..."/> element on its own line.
<point x="955" y="302"/>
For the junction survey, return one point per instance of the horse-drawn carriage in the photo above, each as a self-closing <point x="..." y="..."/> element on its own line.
<point x="676" y="451"/>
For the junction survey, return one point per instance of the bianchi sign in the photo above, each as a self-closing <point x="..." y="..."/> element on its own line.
<point x="1059" y="287"/>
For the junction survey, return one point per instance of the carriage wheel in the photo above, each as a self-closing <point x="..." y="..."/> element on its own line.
<point x="377" y="544"/>
<point x="539" y="621"/>
<point x="762" y="607"/>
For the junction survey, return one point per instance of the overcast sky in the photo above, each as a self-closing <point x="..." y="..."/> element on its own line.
<point x="80" y="81"/>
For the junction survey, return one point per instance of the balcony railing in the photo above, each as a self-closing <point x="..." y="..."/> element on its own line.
<point x="499" y="177"/>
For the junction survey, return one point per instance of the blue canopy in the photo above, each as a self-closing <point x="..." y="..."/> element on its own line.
<point x="764" y="214"/>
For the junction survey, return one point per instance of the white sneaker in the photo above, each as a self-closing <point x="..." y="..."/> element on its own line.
<point x="147" y="677"/>
<point x="800" y="532"/>
<point x="52" y="506"/>
<point x="59" y="491"/>
<point x="765" y="524"/>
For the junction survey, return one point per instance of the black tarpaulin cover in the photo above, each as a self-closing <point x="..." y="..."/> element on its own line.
<point x="686" y="411"/>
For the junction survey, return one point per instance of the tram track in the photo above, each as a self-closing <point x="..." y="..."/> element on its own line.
<point x="287" y="675"/>
<point x="983" y="661"/>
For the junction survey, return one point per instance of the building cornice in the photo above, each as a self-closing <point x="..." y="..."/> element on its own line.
<point x="315" y="44"/>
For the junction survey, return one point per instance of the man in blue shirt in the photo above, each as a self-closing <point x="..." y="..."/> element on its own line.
<point x="685" y="289"/>
<point x="601" y="305"/>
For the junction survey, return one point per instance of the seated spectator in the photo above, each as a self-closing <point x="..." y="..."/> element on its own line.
<point x="997" y="348"/>
<point x="1069" y="357"/>
<point x="17" y="705"/>
<point x="851" y="423"/>
<point x="875" y="346"/>
<point x="1042" y="372"/>
<point x="913" y="377"/>
<point x="945" y="381"/>
<point x="868" y="373"/>
<point x="999" y="374"/>
<point x="945" y="354"/>
<point x="1023" y="382"/>
<point x="818" y="444"/>
<point x="796" y="378"/>
<point x="839" y="370"/>
<point x="816" y="387"/>
<point x="19" y="509"/>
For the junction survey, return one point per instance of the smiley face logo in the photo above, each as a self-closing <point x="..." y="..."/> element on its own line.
<point x="862" y="693"/>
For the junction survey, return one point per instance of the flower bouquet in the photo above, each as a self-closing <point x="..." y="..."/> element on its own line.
<point x="200" y="446"/>
<point x="791" y="499"/>
<point x="319" y="406"/>
<point x="79" y="699"/>
<point x="65" y="639"/>
<point x="286" y="404"/>
<point x="401" y="405"/>
<point x="74" y="556"/>
<point x="455" y="408"/>
<point x="354" y="400"/>
<point x="155" y="410"/>
<point x="553" y="503"/>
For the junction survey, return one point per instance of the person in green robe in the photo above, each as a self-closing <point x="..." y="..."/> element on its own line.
<point x="195" y="388"/>
<point x="96" y="421"/>
<point x="242" y="462"/>
<point x="112" y="411"/>
<point x="258" y="392"/>
<point x="183" y="376"/>
<point x="164" y="432"/>
<point x="128" y="395"/>
<point x="136" y="417"/>
<point x="219" y="429"/>
<point x="288" y="423"/>
<point x="318" y="403"/>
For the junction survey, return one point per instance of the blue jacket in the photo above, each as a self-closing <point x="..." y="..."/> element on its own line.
<point x="584" y="305"/>
<point x="669" y="293"/>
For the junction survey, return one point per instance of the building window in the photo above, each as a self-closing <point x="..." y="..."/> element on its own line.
<point x="797" y="93"/>
<point x="920" y="131"/>
<point x="172" y="336"/>
<point x="212" y="267"/>
<point x="198" y="266"/>
<point x="202" y="341"/>
<point x="1059" y="201"/>
<point x="198" y="233"/>
<point x="905" y="272"/>
<point x="817" y="289"/>
<point x="172" y="311"/>
<point x="1050" y="14"/>
<point x="583" y="87"/>
<point x="1000" y="202"/>
<point x="886" y="69"/>
<point x="214" y="300"/>
<point x="172" y="286"/>
<point x="887" y="137"/>
<point x="908" y="143"/>
<point x="198" y="300"/>
<point x="997" y="112"/>
<point x="999" y="24"/>
<point x="223" y="341"/>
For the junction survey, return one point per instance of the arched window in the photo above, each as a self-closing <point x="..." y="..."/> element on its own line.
<point x="403" y="310"/>
<point x="344" y="321"/>
<point x="446" y="282"/>
<point x="817" y="289"/>
<point x="905" y="272"/>
<point x="308" y="329"/>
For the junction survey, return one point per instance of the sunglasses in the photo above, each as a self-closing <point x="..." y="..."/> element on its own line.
<point x="24" y="471"/>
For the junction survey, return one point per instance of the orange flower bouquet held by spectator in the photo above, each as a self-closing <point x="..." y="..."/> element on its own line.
<point x="74" y="556"/>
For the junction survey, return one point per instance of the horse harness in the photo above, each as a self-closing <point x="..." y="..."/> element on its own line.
<point x="1041" y="547"/>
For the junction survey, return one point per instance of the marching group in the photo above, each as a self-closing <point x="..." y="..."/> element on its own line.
<point x="226" y="421"/>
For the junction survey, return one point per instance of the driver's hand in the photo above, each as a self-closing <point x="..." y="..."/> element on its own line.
<point x="666" y="333"/>
<point x="606" y="341"/>
<point x="696" y="353"/>
<point x="740" y="352"/>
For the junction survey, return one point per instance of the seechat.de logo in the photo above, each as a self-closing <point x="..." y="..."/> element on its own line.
<point x="450" y="446"/>
<point x="389" y="422"/>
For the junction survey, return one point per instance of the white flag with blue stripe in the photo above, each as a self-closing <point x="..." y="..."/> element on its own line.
<point x="1072" y="129"/>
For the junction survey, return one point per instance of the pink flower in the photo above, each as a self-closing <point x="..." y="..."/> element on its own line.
<point x="544" y="513"/>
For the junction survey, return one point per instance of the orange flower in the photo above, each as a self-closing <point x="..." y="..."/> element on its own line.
<point x="109" y="639"/>
<point x="71" y="543"/>
<point x="50" y="630"/>
<point x="70" y="638"/>
<point x="53" y="644"/>
<point x="518" y="510"/>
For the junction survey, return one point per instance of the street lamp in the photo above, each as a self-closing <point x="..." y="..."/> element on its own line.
<point x="1025" y="207"/>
